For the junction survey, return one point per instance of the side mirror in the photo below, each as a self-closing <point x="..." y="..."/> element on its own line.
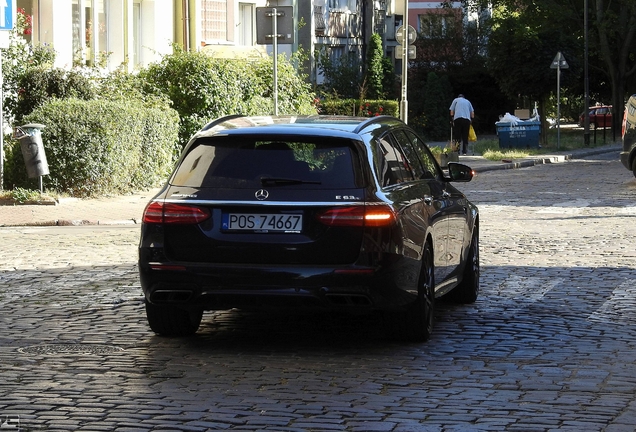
<point x="459" y="172"/>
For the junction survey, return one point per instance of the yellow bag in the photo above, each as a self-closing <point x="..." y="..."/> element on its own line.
<point x="472" y="136"/>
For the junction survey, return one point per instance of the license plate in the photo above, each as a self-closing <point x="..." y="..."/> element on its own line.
<point x="288" y="223"/>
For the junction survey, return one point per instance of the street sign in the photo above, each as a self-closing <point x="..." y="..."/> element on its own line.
<point x="7" y="14"/>
<point x="558" y="62"/>
<point x="284" y="24"/>
<point x="412" y="52"/>
<point x="399" y="34"/>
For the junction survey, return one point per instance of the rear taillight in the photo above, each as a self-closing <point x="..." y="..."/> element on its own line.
<point x="170" y="213"/>
<point x="373" y="216"/>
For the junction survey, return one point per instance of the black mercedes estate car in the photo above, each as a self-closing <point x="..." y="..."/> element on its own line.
<point x="322" y="212"/>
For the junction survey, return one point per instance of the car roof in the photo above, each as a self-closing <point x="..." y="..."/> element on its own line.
<point x="344" y="126"/>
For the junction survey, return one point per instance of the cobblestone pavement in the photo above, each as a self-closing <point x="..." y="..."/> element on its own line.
<point x="549" y="345"/>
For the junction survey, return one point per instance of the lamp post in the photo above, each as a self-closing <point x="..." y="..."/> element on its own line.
<point x="586" y="116"/>
<point x="404" y="105"/>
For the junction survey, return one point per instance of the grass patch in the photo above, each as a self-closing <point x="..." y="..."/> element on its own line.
<point x="24" y="196"/>
<point x="569" y="138"/>
<point x="497" y="155"/>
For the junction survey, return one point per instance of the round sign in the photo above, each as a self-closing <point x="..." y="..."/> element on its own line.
<point x="399" y="34"/>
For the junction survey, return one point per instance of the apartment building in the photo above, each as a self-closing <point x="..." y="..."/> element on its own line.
<point x="135" y="33"/>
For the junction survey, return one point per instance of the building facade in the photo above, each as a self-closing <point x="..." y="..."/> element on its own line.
<point x="130" y="34"/>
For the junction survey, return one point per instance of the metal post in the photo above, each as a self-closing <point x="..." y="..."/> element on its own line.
<point x="558" y="103"/>
<point x="404" y="105"/>
<point x="586" y="116"/>
<point x="275" y="47"/>
<point x="1" y="127"/>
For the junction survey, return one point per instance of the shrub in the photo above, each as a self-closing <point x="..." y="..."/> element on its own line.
<point x="101" y="147"/>
<point x="17" y="59"/>
<point x="39" y="84"/>
<point x="342" y="76"/>
<point x="294" y="94"/>
<point x="428" y="112"/>
<point x="202" y="88"/>
<point x="368" y="108"/>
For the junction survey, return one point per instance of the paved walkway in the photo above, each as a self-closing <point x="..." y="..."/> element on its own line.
<point x="129" y="209"/>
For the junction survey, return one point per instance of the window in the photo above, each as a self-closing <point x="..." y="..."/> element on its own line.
<point x="253" y="163"/>
<point x="246" y="24"/>
<point x="79" y="42"/>
<point x="90" y="38"/>
<point x="214" y="20"/>
<point x="100" y="40"/>
<point x="435" y="25"/>
<point x="339" y="4"/>
<point x="136" y="34"/>
<point x="424" y="155"/>
<point x="319" y="19"/>
<point x="390" y="164"/>
<point x="411" y="156"/>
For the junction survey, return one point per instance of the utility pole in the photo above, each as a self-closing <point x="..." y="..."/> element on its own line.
<point x="404" y="104"/>
<point x="586" y="116"/>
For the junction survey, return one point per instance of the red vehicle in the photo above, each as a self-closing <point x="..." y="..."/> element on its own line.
<point x="600" y="116"/>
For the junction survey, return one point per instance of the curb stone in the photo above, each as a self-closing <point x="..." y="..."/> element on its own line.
<point x="549" y="159"/>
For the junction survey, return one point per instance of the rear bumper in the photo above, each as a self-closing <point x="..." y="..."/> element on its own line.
<point x="214" y="287"/>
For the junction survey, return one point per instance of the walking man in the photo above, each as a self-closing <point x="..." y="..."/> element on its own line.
<point x="462" y="113"/>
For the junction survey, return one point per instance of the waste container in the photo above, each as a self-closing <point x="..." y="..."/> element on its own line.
<point x="30" y="138"/>
<point x="520" y="134"/>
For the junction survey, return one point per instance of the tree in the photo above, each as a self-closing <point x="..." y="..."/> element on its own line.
<point x="611" y="37"/>
<point x="454" y="48"/>
<point x="342" y="75"/>
<point x="436" y="92"/>
<point x="520" y="51"/>
<point x="374" y="73"/>
<point x="17" y="59"/>
<point x="615" y="29"/>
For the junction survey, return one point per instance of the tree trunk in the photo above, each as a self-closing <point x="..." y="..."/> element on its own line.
<point x="616" y="60"/>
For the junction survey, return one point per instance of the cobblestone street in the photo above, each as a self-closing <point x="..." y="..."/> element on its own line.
<point x="549" y="345"/>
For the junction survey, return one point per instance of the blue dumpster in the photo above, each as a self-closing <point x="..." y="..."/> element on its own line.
<point x="521" y="134"/>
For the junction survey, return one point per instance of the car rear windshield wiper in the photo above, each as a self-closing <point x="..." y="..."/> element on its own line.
<point x="285" y="181"/>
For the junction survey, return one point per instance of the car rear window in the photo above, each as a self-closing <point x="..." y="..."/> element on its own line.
<point x="232" y="162"/>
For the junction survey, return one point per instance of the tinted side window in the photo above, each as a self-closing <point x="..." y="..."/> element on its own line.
<point x="390" y="164"/>
<point x="429" y="165"/>
<point x="410" y="154"/>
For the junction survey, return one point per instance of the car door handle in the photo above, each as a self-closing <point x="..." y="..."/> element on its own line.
<point x="445" y="195"/>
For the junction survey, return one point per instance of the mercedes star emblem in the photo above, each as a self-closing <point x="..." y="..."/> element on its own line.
<point x="261" y="194"/>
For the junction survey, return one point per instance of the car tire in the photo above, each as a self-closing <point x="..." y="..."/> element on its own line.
<point x="172" y="321"/>
<point x="468" y="289"/>
<point x="418" y="319"/>
<point x="634" y="167"/>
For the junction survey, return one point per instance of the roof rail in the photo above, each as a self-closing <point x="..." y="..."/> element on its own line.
<point x="220" y="120"/>
<point x="371" y="120"/>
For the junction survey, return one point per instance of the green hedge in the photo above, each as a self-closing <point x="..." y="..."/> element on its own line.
<point x="39" y="84"/>
<point x="367" y="108"/>
<point x="202" y="88"/>
<point x="100" y="147"/>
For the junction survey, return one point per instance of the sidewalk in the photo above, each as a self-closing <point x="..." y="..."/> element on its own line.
<point x="128" y="209"/>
